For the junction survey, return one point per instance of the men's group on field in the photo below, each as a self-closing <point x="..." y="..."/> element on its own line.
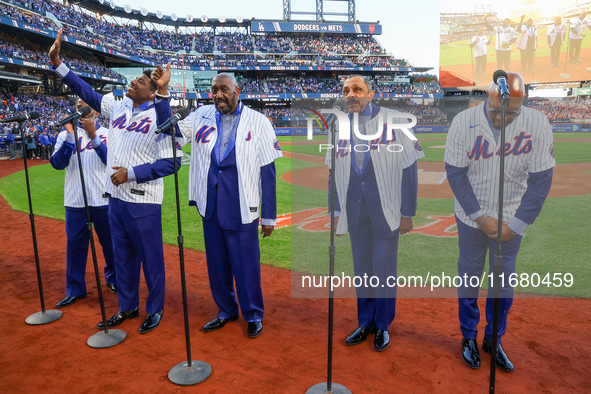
<point x="232" y="184"/>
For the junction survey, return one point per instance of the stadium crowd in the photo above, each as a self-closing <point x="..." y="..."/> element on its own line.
<point x="18" y="51"/>
<point x="130" y="38"/>
<point x="50" y="108"/>
<point x="41" y="134"/>
<point x="565" y="109"/>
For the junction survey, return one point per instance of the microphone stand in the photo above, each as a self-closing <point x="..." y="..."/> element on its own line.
<point x="106" y="338"/>
<point x="45" y="316"/>
<point x="329" y="387"/>
<point x="474" y="72"/>
<point x="499" y="256"/>
<point x="186" y="373"/>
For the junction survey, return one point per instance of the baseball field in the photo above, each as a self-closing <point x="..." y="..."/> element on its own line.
<point x="457" y="57"/>
<point x="549" y="324"/>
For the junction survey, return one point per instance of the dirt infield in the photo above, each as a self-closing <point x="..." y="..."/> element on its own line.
<point x="547" y="339"/>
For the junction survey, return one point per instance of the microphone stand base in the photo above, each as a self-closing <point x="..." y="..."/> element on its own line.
<point x="182" y="375"/>
<point x="36" y="319"/>
<point x="102" y="340"/>
<point x="321" y="388"/>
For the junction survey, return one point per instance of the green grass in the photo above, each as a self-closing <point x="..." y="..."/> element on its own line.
<point x="566" y="152"/>
<point x="572" y="152"/>
<point x="573" y="135"/>
<point x="557" y="242"/>
<point x="551" y="245"/>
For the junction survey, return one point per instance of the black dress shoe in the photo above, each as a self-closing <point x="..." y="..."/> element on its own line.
<point x="359" y="335"/>
<point x="119" y="318"/>
<point x="69" y="301"/>
<point x="152" y="321"/>
<point x="112" y="287"/>
<point x="216" y="323"/>
<point x="382" y="340"/>
<point x="470" y="353"/>
<point x="503" y="361"/>
<point x="255" y="328"/>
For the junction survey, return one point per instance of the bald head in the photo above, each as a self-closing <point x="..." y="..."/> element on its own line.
<point x="227" y="76"/>
<point x="515" y="83"/>
<point x="517" y="89"/>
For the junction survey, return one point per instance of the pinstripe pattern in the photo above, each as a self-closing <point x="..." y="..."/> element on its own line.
<point x="528" y="146"/>
<point x="388" y="166"/>
<point x="256" y="146"/>
<point x="96" y="173"/>
<point x="132" y="142"/>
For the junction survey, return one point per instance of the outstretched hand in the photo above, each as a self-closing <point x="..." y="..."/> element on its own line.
<point x="161" y="78"/>
<point x="54" y="51"/>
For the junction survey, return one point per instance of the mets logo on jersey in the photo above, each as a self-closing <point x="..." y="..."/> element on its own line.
<point x="143" y="126"/>
<point x="202" y="135"/>
<point x="481" y="145"/>
<point x="276" y="144"/>
<point x="249" y="136"/>
<point x="552" y="150"/>
<point x="418" y="146"/>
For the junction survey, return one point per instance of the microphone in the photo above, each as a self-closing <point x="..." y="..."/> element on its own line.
<point x="340" y="105"/>
<point x="20" y="118"/>
<point x="180" y="115"/>
<point x="82" y="112"/>
<point x="500" y="78"/>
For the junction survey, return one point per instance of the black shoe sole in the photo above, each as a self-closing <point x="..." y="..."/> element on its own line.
<point x="121" y="322"/>
<point x="70" y="303"/>
<point x="220" y="327"/>
<point x="471" y="366"/>
<point x="487" y="351"/>
<point x="151" y="328"/>
<point x="384" y="348"/>
<point x="355" y="343"/>
<point x="256" y="335"/>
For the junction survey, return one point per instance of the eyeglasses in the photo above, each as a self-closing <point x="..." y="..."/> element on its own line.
<point x="494" y="112"/>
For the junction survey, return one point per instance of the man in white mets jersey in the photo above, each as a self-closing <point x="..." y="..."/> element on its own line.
<point x="92" y="141"/>
<point x="472" y="155"/>
<point x="505" y="36"/>
<point x="139" y="159"/>
<point x="377" y="184"/>
<point x="233" y="149"/>
<point x="479" y="43"/>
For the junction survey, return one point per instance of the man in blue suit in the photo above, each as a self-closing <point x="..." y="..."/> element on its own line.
<point x="233" y="151"/>
<point x="376" y="184"/>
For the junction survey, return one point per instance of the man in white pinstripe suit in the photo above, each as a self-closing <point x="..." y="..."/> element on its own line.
<point x="472" y="155"/>
<point x="140" y="158"/>
<point x="232" y="158"/>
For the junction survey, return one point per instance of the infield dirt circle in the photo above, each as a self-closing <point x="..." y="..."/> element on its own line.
<point x="548" y="339"/>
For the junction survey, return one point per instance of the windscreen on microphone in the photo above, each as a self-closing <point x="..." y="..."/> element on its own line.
<point x="183" y="113"/>
<point x="33" y="115"/>
<point x="84" y="111"/>
<point x="340" y="104"/>
<point x="498" y="74"/>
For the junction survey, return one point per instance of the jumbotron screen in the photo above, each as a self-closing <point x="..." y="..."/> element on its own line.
<point x="543" y="40"/>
